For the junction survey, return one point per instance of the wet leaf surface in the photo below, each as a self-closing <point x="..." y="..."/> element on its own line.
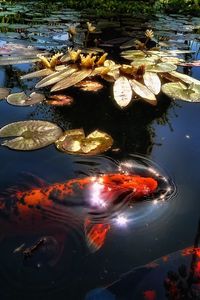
<point x="30" y="135"/>
<point x="75" y="142"/>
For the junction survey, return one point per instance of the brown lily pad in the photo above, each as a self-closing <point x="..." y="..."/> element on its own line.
<point x="75" y="142"/>
<point x="60" y="100"/>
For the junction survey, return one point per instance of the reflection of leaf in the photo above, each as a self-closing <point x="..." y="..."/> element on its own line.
<point x="191" y="64"/>
<point x="21" y="99"/>
<point x="89" y="86"/>
<point x="60" y="100"/>
<point x="40" y="73"/>
<point x="17" y="60"/>
<point x="152" y="81"/>
<point x="142" y="91"/>
<point x="55" y="77"/>
<point x="4" y="93"/>
<point x="71" y="80"/>
<point x="122" y="91"/>
<point x="75" y="142"/>
<point x="177" y="90"/>
<point x="30" y="135"/>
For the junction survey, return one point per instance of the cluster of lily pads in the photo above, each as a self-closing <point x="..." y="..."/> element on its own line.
<point x="148" y="72"/>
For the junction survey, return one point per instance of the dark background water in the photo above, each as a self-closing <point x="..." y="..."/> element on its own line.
<point x="167" y="134"/>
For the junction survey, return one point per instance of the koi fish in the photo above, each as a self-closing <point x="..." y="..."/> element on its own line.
<point x="32" y="205"/>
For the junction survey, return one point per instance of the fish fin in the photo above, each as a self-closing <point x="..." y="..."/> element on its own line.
<point x="95" y="234"/>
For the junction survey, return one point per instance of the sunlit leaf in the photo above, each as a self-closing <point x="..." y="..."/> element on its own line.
<point x="142" y="91"/>
<point x="4" y="93"/>
<point x="75" y="142"/>
<point x="161" y="67"/>
<point x="144" y="61"/>
<point x="178" y="90"/>
<point x="30" y="135"/>
<point x="152" y="81"/>
<point x="60" y="100"/>
<point x="71" y="80"/>
<point x="89" y="85"/>
<point x="174" y="76"/>
<point x="171" y="60"/>
<point x="122" y="91"/>
<point x="40" y="73"/>
<point x="21" y="99"/>
<point x="55" y="77"/>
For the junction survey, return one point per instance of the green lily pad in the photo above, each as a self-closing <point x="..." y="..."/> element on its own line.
<point x="21" y="99"/>
<point x="30" y="135"/>
<point x="178" y="90"/>
<point x="75" y="142"/>
<point x="161" y="68"/>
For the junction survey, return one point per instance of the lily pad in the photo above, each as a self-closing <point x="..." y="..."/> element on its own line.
<point x="142" y="91"/>
<point x="60" y="100"/>
<point x="21" y="99"/>
<point x="122" y="91"/>
<point x="4" y="92"/>
<point x="161" y="67"/>
<point x="178" y="90"/>
<point x="152" y="81"/>
<point x="30" y="135"/>
<point x="75" y="142"/>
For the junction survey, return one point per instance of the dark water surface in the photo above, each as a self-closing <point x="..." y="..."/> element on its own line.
<point x="167" y="135"/>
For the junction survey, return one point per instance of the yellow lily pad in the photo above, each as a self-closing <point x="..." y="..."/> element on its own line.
<point x="152" y="81"/>
<point x="30" y="135"/>
<point x="75" y="142"/>
<point x="178" y="90"/>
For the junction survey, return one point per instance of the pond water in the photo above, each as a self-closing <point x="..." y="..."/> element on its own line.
<point x="165" y="137"/>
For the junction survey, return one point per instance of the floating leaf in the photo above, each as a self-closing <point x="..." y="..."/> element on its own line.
<point x="173" y="76"/>
<point x="177" y="90"/>
<point x="142" y="91"/>
<point x="71" y="80"/>
<point x="122" y="91"/>
<point x="161" y="67"/>
<point x="21" y="99"/>
<point x="55" y="77"/>
<point x="75" y="142"/>
<point x="60" y="100"/>
<point x="40" y="73"/>
<point x="30" y="135"/>
<point x="152" y="81"/>
<point x="4" y="93"/>
<point x="89" y="86"/>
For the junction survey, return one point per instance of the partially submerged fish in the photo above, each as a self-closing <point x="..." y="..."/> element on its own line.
<point x="42" y="205"/>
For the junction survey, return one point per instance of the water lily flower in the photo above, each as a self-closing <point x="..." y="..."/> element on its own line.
<point x="87" y="61"/>
<point x="149" y="34"/>
<point x="101" y="60"/>
<point x="51" y="62"/>
<point x="90" y="27"/>
<point x="72" y="30"/>
<point x="74" y="55"/>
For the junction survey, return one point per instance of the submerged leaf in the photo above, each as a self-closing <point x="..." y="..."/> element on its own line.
<point x="75" y="142"/>
<point x="30" y="135"/>
<point x="152" y="81"/>
<point x="178" y="90"/>
<point x="21" y="99"/>
<point x="89" y="86"/>
<point x="122" y="91"/>
<point x="4" y="93"/>
<point x="60" y="100"/>
<point x="71" y="80"/>
<point x="142" y="91"/>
